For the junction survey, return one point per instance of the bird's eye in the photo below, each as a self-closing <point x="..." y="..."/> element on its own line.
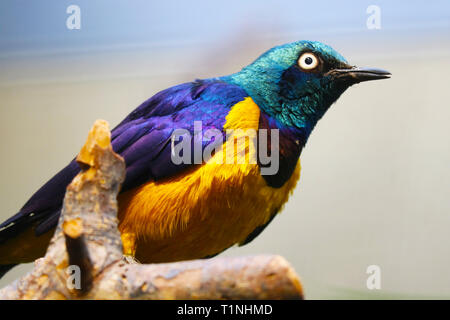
<point x="308" y="61"/>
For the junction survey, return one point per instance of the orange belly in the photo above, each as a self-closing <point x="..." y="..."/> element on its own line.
<point x="199" y="214"/>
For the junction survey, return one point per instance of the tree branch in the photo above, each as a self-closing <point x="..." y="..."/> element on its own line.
<point x="78" y="253"/>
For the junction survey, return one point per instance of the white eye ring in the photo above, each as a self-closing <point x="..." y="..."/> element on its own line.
<point x="308" y="61"/>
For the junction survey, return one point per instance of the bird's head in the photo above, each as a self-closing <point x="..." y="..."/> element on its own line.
<point x="297" y="82"/>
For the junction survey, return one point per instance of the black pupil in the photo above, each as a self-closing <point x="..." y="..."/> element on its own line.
<point x="308" y="60"/>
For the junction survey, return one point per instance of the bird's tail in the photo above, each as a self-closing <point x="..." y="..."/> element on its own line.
<point x="20" y="244"/>
<point x="5" y="268"/>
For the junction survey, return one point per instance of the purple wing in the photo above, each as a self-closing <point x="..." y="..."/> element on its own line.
<point x="143" y="139"/>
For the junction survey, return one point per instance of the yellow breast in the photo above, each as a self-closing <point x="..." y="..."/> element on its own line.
<point x="206" y="210"/>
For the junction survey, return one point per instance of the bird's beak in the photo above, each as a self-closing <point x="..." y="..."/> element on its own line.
<point x="356" y="75"/>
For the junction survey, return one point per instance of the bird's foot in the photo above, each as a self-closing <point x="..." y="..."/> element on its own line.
<point x="130" y="259"/>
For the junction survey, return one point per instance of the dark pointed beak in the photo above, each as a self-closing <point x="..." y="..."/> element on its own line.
<point x="356" y="75"/>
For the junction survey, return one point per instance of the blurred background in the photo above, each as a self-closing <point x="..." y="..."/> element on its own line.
<point x="375" y="185"/>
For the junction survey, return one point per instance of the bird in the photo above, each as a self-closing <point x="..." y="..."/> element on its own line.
<point x="171" y="210"/>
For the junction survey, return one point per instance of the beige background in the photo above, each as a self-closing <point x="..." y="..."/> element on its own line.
<point x="376" y="176"/>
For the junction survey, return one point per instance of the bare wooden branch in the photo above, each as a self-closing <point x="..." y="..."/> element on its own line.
<point x="78" y="253"/>
<point x="87" y="236"/>
<point x="254" y="277"/>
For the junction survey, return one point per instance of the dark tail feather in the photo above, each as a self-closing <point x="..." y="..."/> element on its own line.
<point x="4" y="268"/>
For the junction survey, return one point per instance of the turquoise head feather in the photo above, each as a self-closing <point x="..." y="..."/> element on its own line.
<point x="296" y="83"/>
